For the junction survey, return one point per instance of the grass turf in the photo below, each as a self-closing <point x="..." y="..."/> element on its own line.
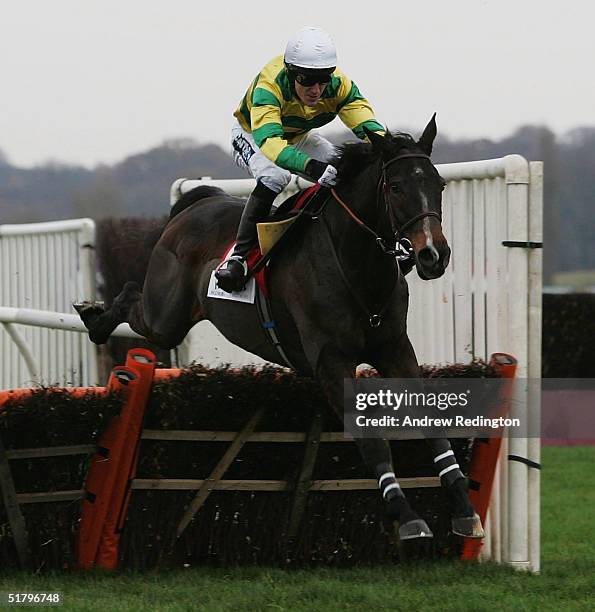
<point x="567" y="580"/>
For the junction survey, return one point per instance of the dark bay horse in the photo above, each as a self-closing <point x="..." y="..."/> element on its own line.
<point x="337" y="294"/>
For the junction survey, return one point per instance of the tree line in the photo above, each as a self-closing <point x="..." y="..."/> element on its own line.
<point x="138" y="186"/>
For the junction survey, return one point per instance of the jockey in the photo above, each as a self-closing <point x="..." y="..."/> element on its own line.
<point x="294" y="93"/>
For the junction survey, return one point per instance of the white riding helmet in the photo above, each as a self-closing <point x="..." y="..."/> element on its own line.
<point x="311" y="48"/>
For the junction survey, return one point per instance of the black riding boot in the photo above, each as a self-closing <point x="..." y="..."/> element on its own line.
<point x="233" y="276"/>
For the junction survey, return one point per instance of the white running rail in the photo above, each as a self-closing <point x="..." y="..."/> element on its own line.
<point x="44" y="267"/>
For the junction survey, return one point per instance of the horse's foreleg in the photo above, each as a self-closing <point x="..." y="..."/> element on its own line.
<point x="401" y="362"/>
<point x="332" y="367"/>
<point x="377" y="455"/>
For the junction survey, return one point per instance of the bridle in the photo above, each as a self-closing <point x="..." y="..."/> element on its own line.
<point x="403" y="247"/>
<point x="382" y="194"/>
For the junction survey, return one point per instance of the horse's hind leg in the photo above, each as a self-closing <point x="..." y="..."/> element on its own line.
<point x="333" y="366"/>
<point x="169" y="306"/>
<point x="162" y="312"/>
<point x="100" y="322"/>
<point x="401" y="362"/>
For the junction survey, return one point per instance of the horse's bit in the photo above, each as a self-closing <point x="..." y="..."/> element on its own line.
<point x="403" y="246"/>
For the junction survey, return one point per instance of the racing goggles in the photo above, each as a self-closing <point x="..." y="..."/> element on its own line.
<point x="307" y="79"/>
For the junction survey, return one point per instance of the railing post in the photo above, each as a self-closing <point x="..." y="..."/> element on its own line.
<point x="517" y="188"/>
<point x="13" y="510"/>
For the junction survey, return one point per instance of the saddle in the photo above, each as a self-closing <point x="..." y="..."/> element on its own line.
<point x="272" y="233"/>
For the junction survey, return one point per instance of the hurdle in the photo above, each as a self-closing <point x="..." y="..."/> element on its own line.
<point x="488" y="301"/>
<point x="111" y="479"/>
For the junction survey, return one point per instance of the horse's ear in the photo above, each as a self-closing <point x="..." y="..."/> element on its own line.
<point x="376" y="140"/>
<point x="427" y="138"/>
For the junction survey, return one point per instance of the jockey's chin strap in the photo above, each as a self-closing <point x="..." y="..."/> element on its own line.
<point x="398" y="232"/>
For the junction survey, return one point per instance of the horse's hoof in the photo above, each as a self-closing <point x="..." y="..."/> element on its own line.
<point x="468" y="526"/>
<point x="89" y="312"/>
<point x="412" y="530"/>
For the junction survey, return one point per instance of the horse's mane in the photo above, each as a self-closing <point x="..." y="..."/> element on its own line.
<point x="353" y="157"/>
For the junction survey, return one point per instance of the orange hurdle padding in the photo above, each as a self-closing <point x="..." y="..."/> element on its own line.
<point x="116" y="448"/>
<point x="142" y="362"/>
<point x="167" y="373"/>
<point x="102" y="473"/>
<point x="16" y="395"/>
<point x="484" y="458"/>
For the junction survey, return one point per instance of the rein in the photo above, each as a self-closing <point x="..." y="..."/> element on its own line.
<point x="382" y="187"/>
<point x="376" y="319"/>
<point x="379" y="240"/>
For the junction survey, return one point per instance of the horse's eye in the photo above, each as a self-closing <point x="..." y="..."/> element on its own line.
<point x="395" y="188"/>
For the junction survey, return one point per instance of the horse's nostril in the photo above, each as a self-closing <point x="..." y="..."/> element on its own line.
<point x="428" y="256"/>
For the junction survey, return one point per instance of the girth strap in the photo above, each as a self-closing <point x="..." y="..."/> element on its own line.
<point x="269" y="326"/>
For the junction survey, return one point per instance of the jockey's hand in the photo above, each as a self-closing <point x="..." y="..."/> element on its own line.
<point x="323" y="173"/>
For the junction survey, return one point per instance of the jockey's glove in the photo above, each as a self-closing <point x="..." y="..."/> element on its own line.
<point x="323" y="173"/>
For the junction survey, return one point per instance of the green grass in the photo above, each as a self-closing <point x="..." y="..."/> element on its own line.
<point x="567" y="580"/>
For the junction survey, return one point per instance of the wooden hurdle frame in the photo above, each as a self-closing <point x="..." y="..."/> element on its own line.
<point x="111" y="479"/>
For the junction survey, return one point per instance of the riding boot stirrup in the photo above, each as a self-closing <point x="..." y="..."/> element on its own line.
<point x="233" y="276"/>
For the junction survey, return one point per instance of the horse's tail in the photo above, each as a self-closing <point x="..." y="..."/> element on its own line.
<point x="185" y="200"/>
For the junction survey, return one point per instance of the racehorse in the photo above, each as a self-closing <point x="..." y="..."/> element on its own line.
<point x="336" y="290"/>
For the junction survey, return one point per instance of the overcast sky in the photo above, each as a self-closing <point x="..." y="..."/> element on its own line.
<point x="89" y="81"/>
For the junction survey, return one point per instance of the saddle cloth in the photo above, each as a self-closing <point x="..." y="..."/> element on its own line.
<point x="247" y="295"/>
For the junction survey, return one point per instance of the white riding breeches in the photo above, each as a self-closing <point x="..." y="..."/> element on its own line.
<point x="247" y="155"/>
